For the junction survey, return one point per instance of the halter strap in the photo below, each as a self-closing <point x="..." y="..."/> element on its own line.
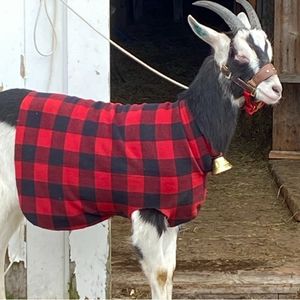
<point x="264" y="73"/>
<point x="250" y="86"/>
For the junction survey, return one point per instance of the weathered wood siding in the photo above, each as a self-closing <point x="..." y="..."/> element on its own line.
<point x="287" y="36"/>
<point x="286" y="128"/>
<point x="286" y="125"/>
<point x="265" y="11"/>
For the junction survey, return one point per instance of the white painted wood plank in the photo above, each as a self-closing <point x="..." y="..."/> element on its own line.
<point x="11" y="51"/>
<point x="17" y="246"/>
<point x="88" y="55"/>
<point x="90" y="251"/>
<point x="46" y="251"/>
<point x="46" y="277"/>
<point x="45" y="74"/>
<point x="88" y="77"/>
<point x="12" y="43"/>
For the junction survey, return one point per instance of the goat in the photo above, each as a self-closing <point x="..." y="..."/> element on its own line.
<point x="179" y="141"/>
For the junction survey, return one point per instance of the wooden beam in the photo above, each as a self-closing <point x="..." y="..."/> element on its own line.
<point x="275" y="154"/>
<point x="285" y="175"/>
<point x="265" y="11"/>
<point x="289" y="78"/>
<point x="286" y="121"/>
<point x="286" y="41"/>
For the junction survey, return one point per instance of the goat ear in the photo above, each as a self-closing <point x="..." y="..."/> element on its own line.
<point x="219" y="41"/>
<point x="207" y="34"/>
<point x="243" y="17"/>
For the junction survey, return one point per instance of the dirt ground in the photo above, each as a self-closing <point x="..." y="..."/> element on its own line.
<point x="244" y="225"/>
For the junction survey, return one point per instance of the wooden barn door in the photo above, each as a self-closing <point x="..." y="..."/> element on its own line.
<point x="286" y="126"/>
<point x="74" y="60"/>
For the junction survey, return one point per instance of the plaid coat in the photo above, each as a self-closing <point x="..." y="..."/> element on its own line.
<point x="79" y="162"/>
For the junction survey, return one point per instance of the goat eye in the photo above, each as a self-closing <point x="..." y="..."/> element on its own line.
<point x="242" y="59"/>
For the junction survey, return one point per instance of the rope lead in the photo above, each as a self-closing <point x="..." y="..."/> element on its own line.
<point x="125" y="51"/>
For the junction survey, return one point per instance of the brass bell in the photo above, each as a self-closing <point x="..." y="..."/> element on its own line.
<point x="220" y="165"/>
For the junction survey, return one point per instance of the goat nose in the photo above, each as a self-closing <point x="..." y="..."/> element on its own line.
<point x="277" y="89"/>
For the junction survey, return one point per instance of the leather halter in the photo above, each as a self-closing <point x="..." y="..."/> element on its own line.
<point x="250" y="86"/>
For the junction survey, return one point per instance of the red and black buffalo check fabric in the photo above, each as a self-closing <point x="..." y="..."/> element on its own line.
<point x="79" y="162"/>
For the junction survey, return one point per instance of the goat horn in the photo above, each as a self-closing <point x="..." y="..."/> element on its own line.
<point x="253" y="18"/>
<point x="229" y="17"/>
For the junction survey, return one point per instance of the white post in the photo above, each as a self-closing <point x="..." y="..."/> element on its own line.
<point x="47" y="252"/>
<point x="12" y="75"/>
<point x="79" y="66"/>
<point x="88" y="76"/>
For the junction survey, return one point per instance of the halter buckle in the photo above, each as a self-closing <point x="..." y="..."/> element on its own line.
<point x="226" y="72"/>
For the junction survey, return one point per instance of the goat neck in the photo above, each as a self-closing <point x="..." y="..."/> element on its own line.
<point x="210" y="102"/>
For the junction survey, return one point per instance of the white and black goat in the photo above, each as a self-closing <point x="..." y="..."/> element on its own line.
<point x="240" y="65"/>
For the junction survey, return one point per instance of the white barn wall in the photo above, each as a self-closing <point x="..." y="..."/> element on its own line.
<point x="12" y="43"/>
<point x="88" y="53"/>
<point x="45" y="73"/>
<point x="79" y="66"/>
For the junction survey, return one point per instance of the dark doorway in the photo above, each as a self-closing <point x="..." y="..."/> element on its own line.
<point x="161" y="41"/>
<point x="236" y="201"/>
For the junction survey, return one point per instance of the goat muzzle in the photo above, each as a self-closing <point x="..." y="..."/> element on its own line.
<point x="252" y="104"/>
